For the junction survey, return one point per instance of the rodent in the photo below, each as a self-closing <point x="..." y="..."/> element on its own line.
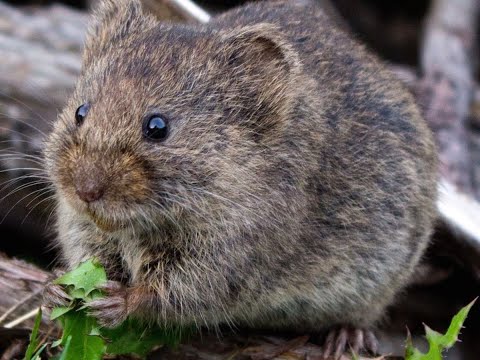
<point x="262" y="170"/>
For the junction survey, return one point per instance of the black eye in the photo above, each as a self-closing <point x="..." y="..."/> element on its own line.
<point x="81" y="113"/>
<point x="155" y="128"/>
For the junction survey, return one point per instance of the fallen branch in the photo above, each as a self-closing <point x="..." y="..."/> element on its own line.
<point x="189" y="10"/>
<point x="23" y="283"/>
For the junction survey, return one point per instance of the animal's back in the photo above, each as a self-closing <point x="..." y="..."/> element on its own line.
<point x="373" y="195"/>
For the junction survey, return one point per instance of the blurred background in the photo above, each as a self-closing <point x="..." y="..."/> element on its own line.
<point x="432" y="46"/>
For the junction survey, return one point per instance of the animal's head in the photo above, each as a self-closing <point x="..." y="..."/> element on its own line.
<point x="170" y="120"/>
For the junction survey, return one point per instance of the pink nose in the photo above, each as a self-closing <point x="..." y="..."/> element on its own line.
<point x="89" y="189"/>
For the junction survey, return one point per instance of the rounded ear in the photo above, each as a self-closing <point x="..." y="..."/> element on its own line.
<point x="114" y="20"/>
<point x="265" y="66"/>
<point x="265" y="42"/>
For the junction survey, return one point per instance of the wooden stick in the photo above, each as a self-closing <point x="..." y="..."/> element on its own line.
<point x="23" y="283"/>
<point x="18" y="304"/>
<point x="29" y="315"/>
<point x="189" y="10"/>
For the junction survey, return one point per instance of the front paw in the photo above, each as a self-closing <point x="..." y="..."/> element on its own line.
<point x="112" y="309"/>
<point x="55" y="295"/>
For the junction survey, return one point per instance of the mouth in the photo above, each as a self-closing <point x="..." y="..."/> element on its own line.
<point x="103" y="223"/>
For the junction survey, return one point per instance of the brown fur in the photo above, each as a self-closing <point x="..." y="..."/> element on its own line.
<point x="296" y="189"/>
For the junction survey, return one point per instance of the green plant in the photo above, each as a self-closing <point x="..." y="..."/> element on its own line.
<point x="82" y="338"/>
<point x="438" y="342"/>
<point x="34" y="349"/>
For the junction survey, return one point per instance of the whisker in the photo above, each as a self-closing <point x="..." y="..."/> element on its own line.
<point x="47" y="97"/>
<point x="19" y="133"/>
<point x="17" y="189"/>
<point x="16" y="179"/>
<point x="41" y="132"/>
<point x="32" y="182"/>
<point x="10" y="158"/>
<point x="19" y="168"/>
<point x="54" y="209"/>
<point x="37" y="204"/>
<point x="13" y="151"/>
<point x="15" y="141"/>
<point x="6" y="153"/>
<point x="10" y="182"/>
<point x="18" y="101"/>
<point x="19" y="201"/>
<point x="46" y="191"/>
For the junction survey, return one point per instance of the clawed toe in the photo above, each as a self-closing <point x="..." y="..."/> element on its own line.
<point x="370" y="342"/>
<point x="112" y="287"/>
<point x="54" y="295"/>
<point x="110" y="310"/>
<point x="344" y="339"/>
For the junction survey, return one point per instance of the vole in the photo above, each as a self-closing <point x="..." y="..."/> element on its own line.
<point x="262" y="170"/>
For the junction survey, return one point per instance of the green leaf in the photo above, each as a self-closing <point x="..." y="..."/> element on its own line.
<point x="456" y="325"/>
<point x="39" y="352"/>
<point x="76" y="293"/>
<point x="66" y="349"/>
<point x="32" y="346"/>
<point x="134" y="338"/>
<point x="96" y="331"/>
<point x="59" y="311"/>
<point x="77" y="327"/>
<point x="438" y="342"/>
<point x="85" y="278"/>
<point x="410" y="352"/>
